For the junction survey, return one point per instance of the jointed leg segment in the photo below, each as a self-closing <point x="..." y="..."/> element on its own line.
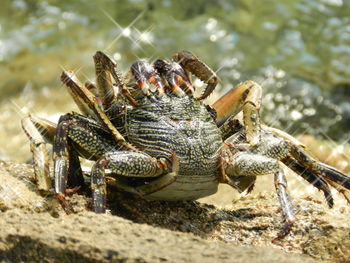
<point x="285" y="202"/>
<point x="38" y="147"/>
<point x="329" y="174"/>
<point x="312" y="177"/>
<point x="130" y="164"/>
<point x="198" y="68"/>
<point x="264" y="158"/>
<point x="89" y="98"/>
<point x="245" y="97"/>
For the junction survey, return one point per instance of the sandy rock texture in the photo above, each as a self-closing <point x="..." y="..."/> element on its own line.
<point x="33" y="228"/>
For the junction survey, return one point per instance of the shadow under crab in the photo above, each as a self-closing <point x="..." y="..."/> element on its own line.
<point x="158" y="141"/>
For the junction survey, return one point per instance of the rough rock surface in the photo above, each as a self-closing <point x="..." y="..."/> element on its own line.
<point x="33" y="228"/>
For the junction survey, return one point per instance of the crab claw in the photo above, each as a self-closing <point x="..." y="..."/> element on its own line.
<point x="145" y="74"/>
<point x="198" y="68"/>
<point x="175" y="76"/>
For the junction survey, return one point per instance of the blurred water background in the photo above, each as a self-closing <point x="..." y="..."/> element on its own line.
<point x="298" y="50"/>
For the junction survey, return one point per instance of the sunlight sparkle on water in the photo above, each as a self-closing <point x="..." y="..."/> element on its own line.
<point x="213" y="38"/>
<point x="126" y="32"/>
<point x="211" y="24"/>
<point x="117" y="56"/>
<point x="146" y="37"/>
<point x="296" y="115"/>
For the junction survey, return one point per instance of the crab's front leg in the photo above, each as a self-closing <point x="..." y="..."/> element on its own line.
<point x="67" y="169"/>
<point x="105" y="68"/>
<point x="76" y="133"/>
<point x="131" y="164"/>
<point x="38" y="147"/>
<point x="237" y="165"/>
<point x="286" y="203"/>
<point x="90" y="100"/>
<point x="198" y="68"/>
<point x="323" y="172"/>
<point x="245" y="97"/>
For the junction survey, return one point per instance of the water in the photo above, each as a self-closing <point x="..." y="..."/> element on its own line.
<point x="298" y="50"/>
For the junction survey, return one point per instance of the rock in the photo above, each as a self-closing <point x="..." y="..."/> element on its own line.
<point x="88" y="237"/>
<point x="153" y="231"/>
<point x="18" y="189"/>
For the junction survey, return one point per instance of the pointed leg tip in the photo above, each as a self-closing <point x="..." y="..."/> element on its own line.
<point x="62" y="200"/>
<point x="287" y="228"/>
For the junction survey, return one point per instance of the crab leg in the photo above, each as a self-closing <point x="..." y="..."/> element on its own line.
<point x="130" y="164"/>
<point x="79" y="101"/>
<point x="245" y="163"/>
<point x="240" y="183"/>
<point x="239" y="169"/>
<point x="40" y="154"/>
<point x="246" y="96"/>
<point x="46" y="128"/>
<point x="82" y="92"/>
<point x="285" y="202"/>
<point x="312" y="178"/>
<point x="76" y="133"/>
<point x="312" y="170"/>
<point x="104" y="84"/>
<point x="103" y="79"/>
<point x="334" y="177"/>
<point x="198" y="68"/>
<point x="67" y="168"/>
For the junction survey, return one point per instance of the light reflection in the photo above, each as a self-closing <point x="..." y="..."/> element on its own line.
<point x="280" y="74"/>
<point x="146" y="37"/>
<point x="333" y="2"/>
<point x="126" y="32"/>
<point x="117" y="56"/>
<point x="212" y="23"/>
<point x="61" y="25"/>
<point x="236" y="74"/>
<point x="296" y="115"/>
<point x="198" y="83"/>
<point x="309" y="111"/>
<point x="213" y="38"/>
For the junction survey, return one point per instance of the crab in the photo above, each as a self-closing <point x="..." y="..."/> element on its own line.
<point x="150" y="135"/>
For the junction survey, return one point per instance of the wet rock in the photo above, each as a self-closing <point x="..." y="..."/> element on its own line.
<point x="161" y="231"/>
<point x="88" y="237"/>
